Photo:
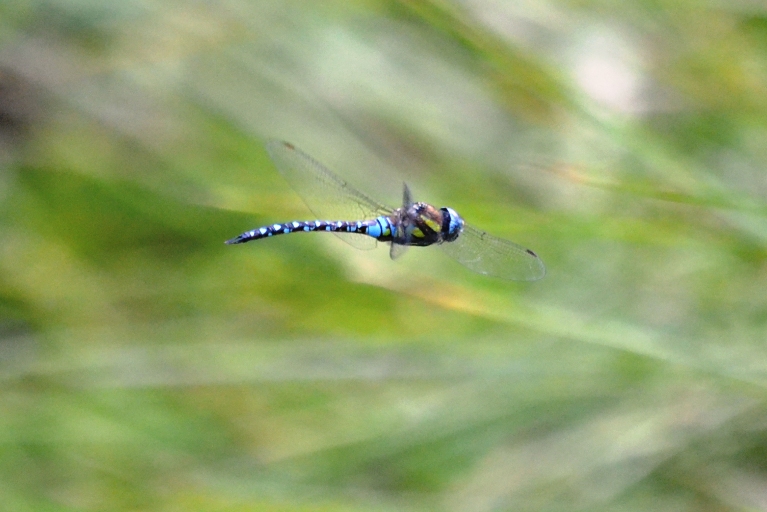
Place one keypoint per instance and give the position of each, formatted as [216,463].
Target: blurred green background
[145,365]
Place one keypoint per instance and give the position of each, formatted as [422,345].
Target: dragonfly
[363,222]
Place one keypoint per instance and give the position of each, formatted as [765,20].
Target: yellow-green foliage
[144,365]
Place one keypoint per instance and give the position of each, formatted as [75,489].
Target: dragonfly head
[452,224]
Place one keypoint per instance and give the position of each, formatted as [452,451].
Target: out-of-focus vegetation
[146,366]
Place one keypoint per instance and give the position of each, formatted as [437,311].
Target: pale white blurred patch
[605,63]
[607,67]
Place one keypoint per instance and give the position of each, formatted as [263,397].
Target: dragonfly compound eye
[452,224]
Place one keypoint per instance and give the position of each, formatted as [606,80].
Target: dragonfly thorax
[422,224]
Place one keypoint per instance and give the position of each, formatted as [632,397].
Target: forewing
[327,196]
[494,256]
[401,233]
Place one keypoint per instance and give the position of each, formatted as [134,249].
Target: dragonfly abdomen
[379,228]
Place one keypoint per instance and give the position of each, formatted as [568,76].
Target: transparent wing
[493,256]
[397,250]
[327,196]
